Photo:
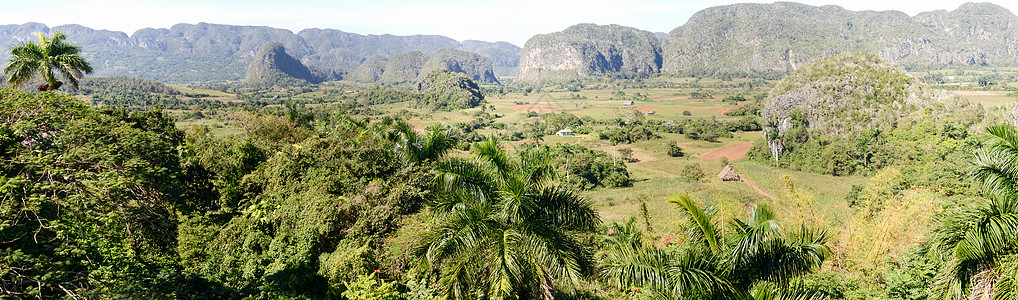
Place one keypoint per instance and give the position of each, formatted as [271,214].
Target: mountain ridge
[201,52]
[755,38]
[762,37]
[743,39]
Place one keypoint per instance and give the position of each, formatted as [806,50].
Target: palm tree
[762,261]
[977,243]
[46,59]
[694,273]
[504,230]
[412,147]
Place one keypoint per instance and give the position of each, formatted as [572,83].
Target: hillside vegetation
[272,65]
[590,50]
[188,53]
[753,38]
[767,39]
[411,67]
[739,39]
[854,113]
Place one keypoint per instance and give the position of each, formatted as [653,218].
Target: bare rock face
[588,50]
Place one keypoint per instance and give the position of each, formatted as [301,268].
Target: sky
[511,21]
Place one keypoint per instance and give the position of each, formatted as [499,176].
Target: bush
[694,173]
[627,155]
[674,150]
[367,287]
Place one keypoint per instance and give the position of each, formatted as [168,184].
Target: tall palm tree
[762,260]
[977,242]
[504,230]
[50,57]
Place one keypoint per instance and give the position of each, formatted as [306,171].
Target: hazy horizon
[510,21]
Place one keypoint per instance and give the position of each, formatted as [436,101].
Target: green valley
[759,151]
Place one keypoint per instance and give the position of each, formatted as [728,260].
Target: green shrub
[674,150]
[694,173]
[367,287]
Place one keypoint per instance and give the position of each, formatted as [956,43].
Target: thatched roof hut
[729,174]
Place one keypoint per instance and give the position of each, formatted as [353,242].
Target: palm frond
[554,254]
[564,209]
[624,267]
[698,274]
[622,235]
[519,233]
[19,71]
[71,66]
[703,223]
[804,254]
[952,281]
[490,150]
[435,143]
[461,181]
[1005,137]
[1006,287]
[506,266]
[50,54]
[997,171]
[766,290]
[763,252]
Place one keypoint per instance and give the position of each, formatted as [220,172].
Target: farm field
[656,176]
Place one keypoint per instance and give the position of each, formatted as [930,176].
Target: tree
[976,243]
[89,199]
[503,230]
[674,150]
[46,59]
[761,261]
[416,148]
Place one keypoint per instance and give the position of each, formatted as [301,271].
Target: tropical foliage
[760,260]
[90,199]
[504,230]
[51,57]
[976,242]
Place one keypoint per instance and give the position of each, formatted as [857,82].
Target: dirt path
[518,142]
[733,152]
[642,155]
[730,108]
[756,188]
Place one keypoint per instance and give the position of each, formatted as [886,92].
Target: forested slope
[203,52]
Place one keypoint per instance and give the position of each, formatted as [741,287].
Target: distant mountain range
[204,52]
[731,39]
[761,38]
